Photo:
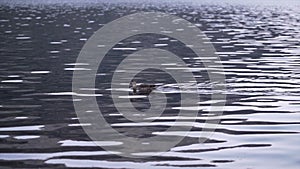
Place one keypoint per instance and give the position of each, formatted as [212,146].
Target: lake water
[259,48]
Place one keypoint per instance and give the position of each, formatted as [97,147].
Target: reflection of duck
[142,88]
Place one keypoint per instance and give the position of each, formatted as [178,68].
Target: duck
[143,89]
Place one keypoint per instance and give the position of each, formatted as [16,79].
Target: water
[259,48]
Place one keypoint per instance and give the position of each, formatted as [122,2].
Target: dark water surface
[259,48]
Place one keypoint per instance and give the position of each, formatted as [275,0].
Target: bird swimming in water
[143,89]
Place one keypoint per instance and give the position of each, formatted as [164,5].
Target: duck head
[133,86]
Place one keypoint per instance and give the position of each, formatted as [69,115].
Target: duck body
[143,89]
